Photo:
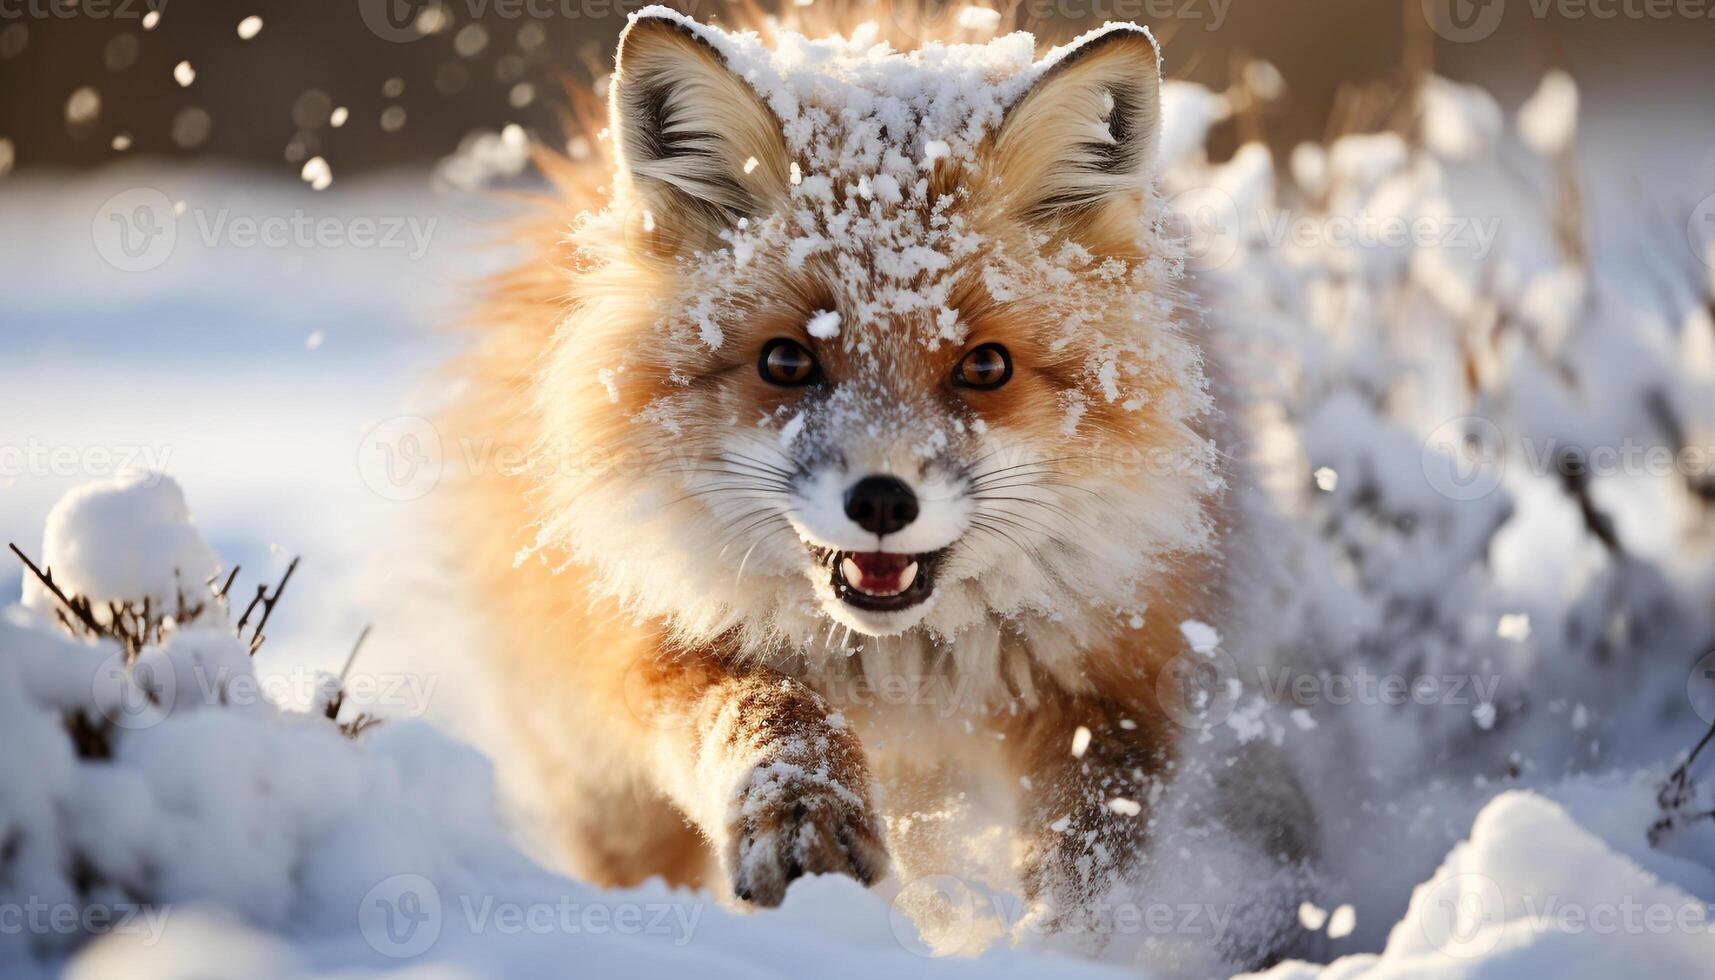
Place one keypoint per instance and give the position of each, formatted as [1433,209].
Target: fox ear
[1079,148]
[695,142]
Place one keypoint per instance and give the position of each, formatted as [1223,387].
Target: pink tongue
[881,571]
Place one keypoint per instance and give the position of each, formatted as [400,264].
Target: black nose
[881,504]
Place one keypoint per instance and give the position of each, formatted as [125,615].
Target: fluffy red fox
[869,461]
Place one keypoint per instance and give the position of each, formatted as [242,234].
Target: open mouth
[882,581]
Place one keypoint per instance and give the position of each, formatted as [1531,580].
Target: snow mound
[162,818]
[128,538]
[1432,414]
[1535,892]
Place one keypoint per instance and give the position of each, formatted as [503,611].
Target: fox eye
[984,368]
[786,363]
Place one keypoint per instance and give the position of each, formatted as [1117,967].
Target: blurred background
[84,83]
[163,164]
[234,233]
[233,237]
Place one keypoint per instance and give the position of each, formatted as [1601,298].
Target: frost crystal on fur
[903,223]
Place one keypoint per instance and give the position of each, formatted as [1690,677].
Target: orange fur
[647,732]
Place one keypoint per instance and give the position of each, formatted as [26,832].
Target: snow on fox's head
[872,344]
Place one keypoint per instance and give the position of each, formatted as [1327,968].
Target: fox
[870,460]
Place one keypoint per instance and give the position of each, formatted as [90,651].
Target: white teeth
[854,578]
[908,576]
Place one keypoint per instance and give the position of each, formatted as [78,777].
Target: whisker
[759,463]
[980,523]
[746,473]
[1048,505]
[734,537]
[1043,463]
[738,492]
[1056,484]
[746,559]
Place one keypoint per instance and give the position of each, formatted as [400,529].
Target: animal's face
[881,466]
[896,339]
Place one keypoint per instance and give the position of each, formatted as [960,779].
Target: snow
[482,158]
[317,173]
[1202,637]
[824,325]
[1080,742]
[979,18]
[221,823]
[1341,923]
[1487,834]
[1538,889]
[1514,626]
[130,537]
[1460,122]
[1392,479]
[1311,917]
[1548,120]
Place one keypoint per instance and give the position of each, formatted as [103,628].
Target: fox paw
[789,822]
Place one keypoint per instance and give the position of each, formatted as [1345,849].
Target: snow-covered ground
[1484,690]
